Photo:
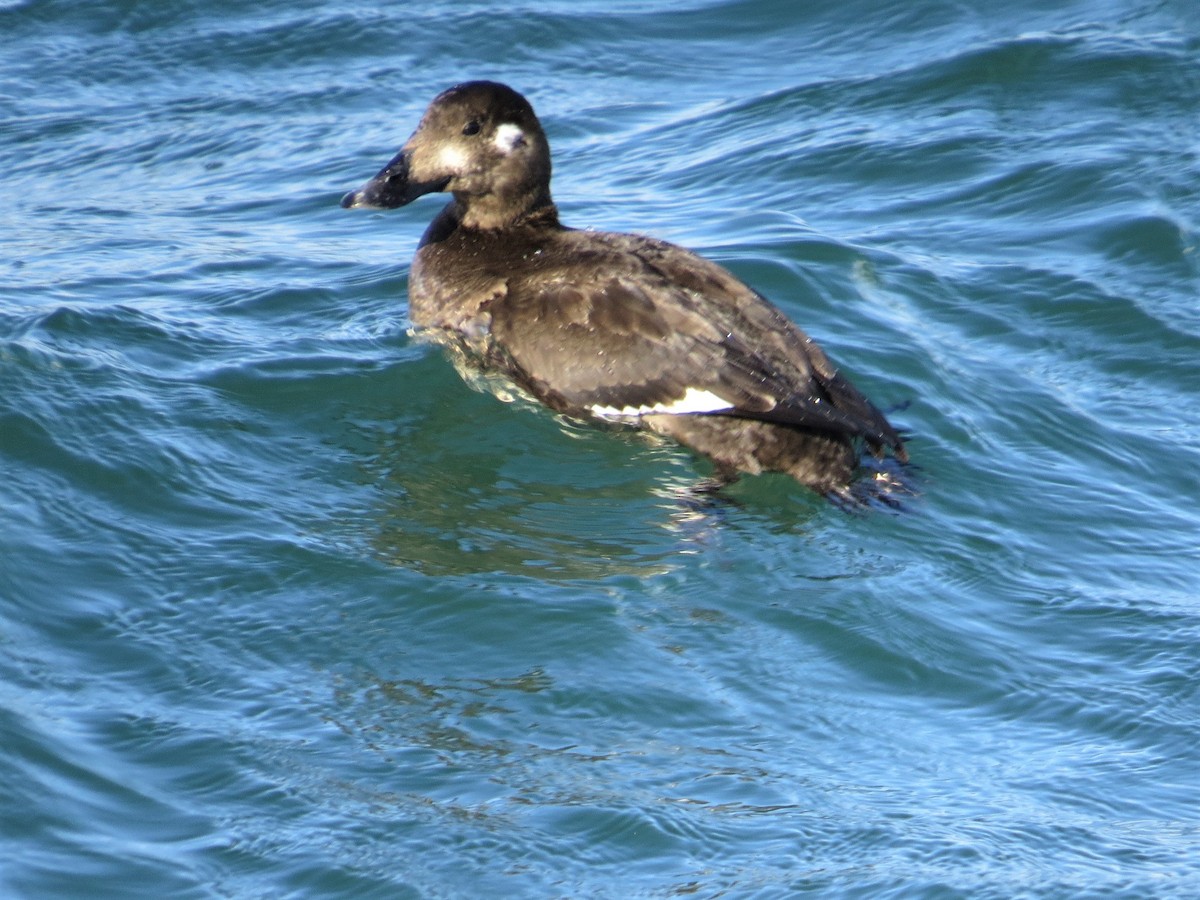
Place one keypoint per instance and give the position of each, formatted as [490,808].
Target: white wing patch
[692,401]
[508,137]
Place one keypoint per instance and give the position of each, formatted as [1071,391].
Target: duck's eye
[472,127]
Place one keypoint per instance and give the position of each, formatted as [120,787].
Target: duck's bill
[391,188]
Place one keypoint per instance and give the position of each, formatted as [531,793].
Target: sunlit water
[286,609]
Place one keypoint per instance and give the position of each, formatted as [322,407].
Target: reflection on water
[488,480]
[486,505]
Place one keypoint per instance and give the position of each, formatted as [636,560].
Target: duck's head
[479,140]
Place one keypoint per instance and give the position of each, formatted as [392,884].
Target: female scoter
[614,327]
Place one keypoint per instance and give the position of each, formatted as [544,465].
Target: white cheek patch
[508,138]
[693,401]
[452,158]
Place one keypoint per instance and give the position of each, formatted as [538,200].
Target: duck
[610,327]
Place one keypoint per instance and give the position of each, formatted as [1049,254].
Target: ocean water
[288,610]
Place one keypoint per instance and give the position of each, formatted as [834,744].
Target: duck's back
[624,327]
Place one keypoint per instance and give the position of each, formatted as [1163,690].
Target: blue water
[288,610]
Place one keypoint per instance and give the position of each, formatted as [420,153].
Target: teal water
[287,610]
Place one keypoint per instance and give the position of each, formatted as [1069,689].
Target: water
[287,610]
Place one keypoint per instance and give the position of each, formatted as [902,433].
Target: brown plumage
[615,327]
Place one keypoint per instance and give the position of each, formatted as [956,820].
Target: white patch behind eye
[452,158]
[692,401]
[508,137]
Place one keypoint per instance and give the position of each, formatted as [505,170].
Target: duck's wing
[625,340]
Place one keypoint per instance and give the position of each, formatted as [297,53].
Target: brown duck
[612,327]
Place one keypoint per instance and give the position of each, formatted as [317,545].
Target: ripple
[286,608]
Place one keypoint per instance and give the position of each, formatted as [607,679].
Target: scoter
[605,326]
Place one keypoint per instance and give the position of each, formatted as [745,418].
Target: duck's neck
[494,212]
[451,219]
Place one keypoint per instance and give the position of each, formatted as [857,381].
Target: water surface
[286,609]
